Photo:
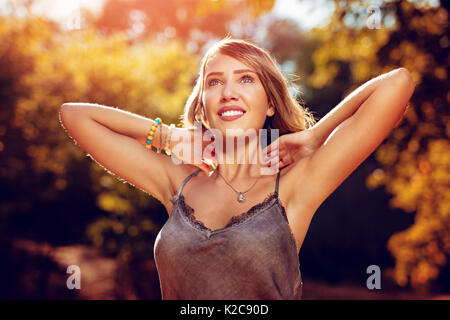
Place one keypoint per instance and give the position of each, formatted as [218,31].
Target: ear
[271,111]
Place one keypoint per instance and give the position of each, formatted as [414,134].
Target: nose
[228,92]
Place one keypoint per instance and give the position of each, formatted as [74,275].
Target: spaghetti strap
[186,180]
[277,183]
[184,246]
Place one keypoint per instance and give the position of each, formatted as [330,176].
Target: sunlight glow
[59,10]
[307,14]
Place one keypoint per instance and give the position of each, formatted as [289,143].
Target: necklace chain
[238,192]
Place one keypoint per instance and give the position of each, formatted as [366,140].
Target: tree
[414,159]
[188,20]
[41,69]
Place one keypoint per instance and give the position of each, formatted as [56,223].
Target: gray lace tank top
[254,257]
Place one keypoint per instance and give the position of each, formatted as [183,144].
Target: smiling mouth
[231,115]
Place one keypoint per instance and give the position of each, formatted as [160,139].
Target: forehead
[222,63]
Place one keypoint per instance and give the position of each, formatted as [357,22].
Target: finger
[273,163]
[273,146]
[270,154]
[285,162]
[270,157]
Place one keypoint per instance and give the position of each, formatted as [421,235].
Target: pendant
[241,197]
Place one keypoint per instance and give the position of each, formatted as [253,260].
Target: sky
[306,13]
[58,10]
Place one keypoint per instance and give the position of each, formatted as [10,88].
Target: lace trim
[283,210]
[235,220]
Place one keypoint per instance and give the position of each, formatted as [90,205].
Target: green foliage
[43,67]
[414,159]
[46,68]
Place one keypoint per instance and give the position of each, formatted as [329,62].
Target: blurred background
[59,208]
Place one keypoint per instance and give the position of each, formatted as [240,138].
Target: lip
[229,108]
[231,118]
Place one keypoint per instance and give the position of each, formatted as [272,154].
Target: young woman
[235,232]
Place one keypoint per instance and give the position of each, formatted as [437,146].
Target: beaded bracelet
[160,139]
[166,142]
[152,131]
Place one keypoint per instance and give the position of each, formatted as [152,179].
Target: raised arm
[115,139]
[350,104]
[349,133]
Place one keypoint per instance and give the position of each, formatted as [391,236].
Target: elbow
[406,78]
[63,111]
[63,114]
[67,105]
[66,110]
[404,82]
[64,107]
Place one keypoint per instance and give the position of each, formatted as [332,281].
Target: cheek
[256,94]
[208,103]
[258,101]
[209,97]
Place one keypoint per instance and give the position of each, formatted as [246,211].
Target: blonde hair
[290,115]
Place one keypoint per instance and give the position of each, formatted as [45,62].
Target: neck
[242,161]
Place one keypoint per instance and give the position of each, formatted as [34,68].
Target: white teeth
[231,113]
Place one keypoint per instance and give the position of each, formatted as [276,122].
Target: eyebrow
[235,71]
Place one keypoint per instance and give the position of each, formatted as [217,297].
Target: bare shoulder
[177,173]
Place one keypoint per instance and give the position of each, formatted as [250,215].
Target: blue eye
[211,81]
[243,77]
[247,77]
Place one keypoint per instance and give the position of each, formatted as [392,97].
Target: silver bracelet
[166,143]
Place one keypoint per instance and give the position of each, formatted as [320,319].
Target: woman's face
[233,96]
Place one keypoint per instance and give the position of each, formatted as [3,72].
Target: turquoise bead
[149,141]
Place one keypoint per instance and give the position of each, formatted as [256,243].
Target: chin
[234,129]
